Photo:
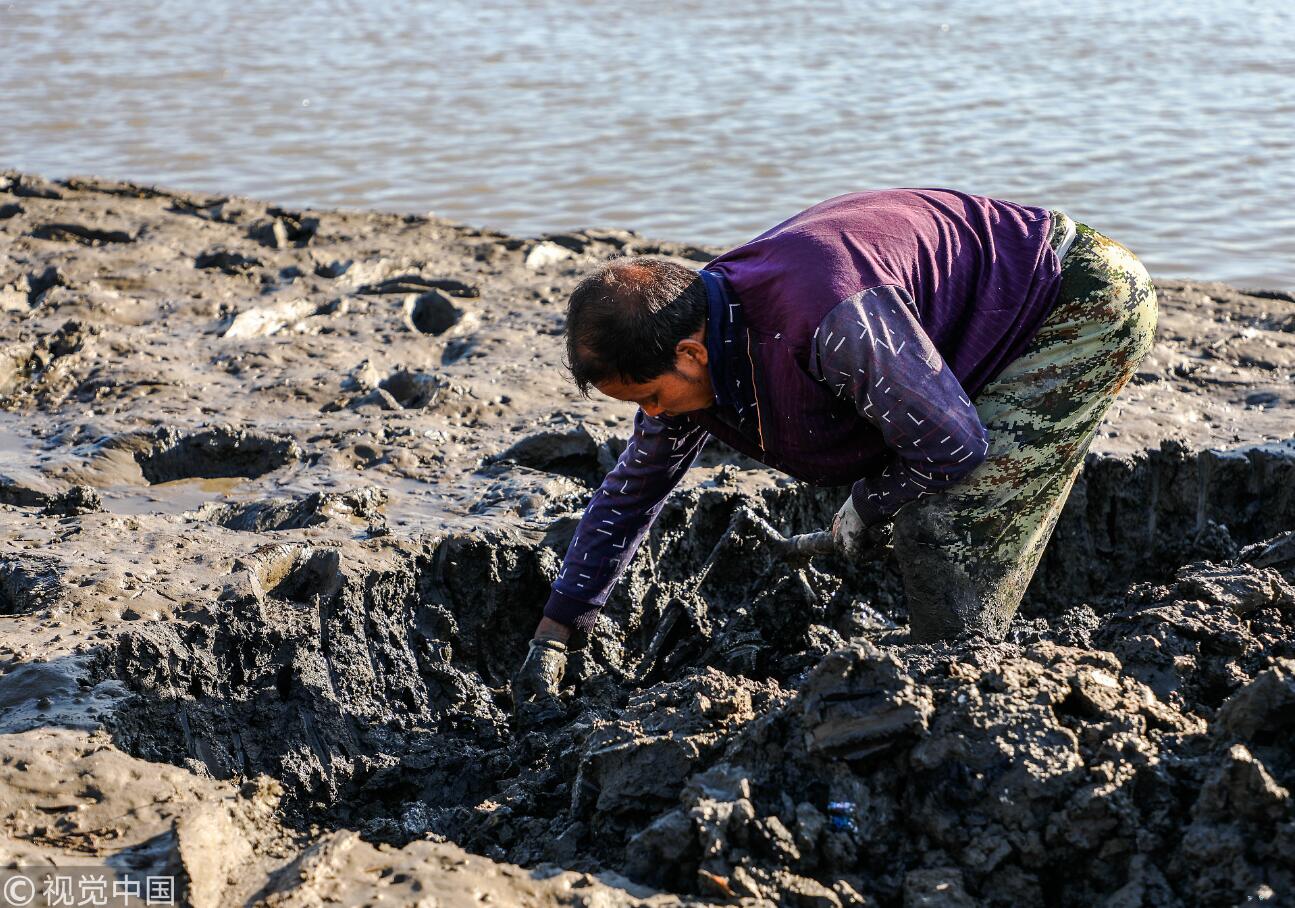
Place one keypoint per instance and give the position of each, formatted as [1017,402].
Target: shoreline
[281,493]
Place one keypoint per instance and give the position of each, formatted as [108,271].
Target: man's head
[636,331]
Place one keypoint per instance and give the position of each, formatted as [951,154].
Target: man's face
[683,390]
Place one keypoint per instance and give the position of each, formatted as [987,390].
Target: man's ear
[694,350]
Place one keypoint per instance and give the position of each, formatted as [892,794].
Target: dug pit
[738,727]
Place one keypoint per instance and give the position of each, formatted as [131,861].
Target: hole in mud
[220,452]
[77,233]
[226,260]
[459,349]
[580,453]
[356,505]
[1277,730]
[37,284]
[283,681]
[1073,706]
[24,367]
[412,390]
[1142,518]
[284,229]
[433,313]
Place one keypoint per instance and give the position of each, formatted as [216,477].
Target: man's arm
[618,517]
[872,351]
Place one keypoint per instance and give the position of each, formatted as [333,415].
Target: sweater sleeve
[619,515]
[872,350]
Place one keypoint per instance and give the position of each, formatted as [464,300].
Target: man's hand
[541,673]
[540,677]
[855,541]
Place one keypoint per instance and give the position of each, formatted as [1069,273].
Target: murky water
[1167,123]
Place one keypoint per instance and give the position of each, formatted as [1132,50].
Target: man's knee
[1137,334]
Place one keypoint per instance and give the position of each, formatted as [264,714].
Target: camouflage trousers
[968,553]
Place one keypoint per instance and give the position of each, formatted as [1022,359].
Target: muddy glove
[857,542]
[541,672]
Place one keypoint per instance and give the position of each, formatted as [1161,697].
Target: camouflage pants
[968,553]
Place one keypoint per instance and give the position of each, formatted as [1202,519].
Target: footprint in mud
[85,236]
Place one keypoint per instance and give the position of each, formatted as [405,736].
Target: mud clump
[296,513]
[29,583]
[43,368]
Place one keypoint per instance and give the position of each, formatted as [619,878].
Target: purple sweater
[846,345]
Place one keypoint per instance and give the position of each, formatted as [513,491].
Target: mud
[282,497]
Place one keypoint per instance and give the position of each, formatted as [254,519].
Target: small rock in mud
[73,502]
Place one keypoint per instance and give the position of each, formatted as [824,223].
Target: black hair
[624,320]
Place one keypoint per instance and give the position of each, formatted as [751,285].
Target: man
[947,356]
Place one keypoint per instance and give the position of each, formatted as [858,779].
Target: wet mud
[765,732]
[279,556]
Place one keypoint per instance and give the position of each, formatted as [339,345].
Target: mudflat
[281,495]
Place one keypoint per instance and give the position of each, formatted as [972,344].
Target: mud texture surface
[281,497]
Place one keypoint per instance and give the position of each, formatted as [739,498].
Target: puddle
[178,496]
[18,449]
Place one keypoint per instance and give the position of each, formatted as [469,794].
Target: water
[1166,124]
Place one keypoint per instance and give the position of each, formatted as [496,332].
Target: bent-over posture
[947,356]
